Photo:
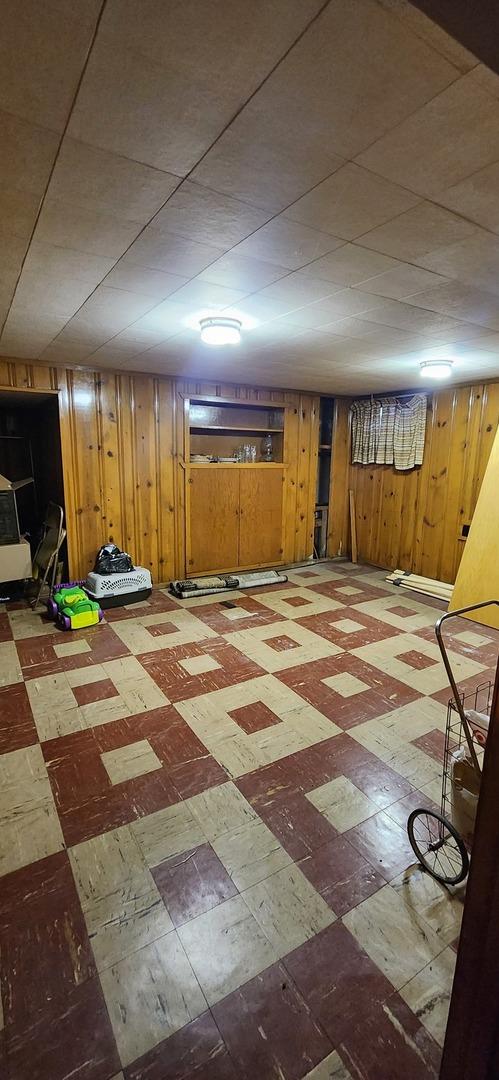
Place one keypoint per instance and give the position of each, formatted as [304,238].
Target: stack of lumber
[440,590]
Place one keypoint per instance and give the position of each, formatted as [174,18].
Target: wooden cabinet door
[260,521]
[212,520]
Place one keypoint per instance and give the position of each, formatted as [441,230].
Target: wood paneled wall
[118,449]
[414,520]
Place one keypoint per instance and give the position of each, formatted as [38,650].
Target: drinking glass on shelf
[253,453]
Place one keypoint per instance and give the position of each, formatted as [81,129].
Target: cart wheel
[438,846]
[63,621]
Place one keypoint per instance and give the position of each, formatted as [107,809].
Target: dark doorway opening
[30,446]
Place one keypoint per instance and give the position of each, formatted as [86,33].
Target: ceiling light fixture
[220,331]
[436,369]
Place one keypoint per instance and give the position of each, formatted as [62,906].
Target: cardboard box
[15,561]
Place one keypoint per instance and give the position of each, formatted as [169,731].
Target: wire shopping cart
[441,840]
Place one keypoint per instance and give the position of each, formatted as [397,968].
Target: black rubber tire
[465,861]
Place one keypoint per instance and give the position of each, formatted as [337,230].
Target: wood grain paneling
[414,520]
[260,510]
[121,438]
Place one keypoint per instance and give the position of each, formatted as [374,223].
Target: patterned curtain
[366,416]
[388,431]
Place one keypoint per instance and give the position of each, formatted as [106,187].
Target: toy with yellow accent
[72,608]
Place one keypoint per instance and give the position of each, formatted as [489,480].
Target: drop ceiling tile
[240,272]
[258,308]
[287,243]
[62,298]
[108,311]
[343,303]
[199,294]
[462,302]
[350,265]
[42,52]
[166,318]
[160,90]
[264,162]
[12,251]
[299,288]
[175,254]
[97,180]
[28,153]
[407,317]
[66,352]
[474,260]
[350,202]
[139,279]
[356,73]
[67,226]
[401,282]
[476,197]
[430,32]
[448,139]
[208,217]
[419,231]
[59,264]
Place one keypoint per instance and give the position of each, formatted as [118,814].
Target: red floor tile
[270,1030]
[389,1044]
[197,1051]
[95,691]
[17,727]
[5,629]
[417,660]
[342,876]
[338,981]
[76,1043]
[193,883]
[42,930]
[254,717]
[333,589]
[37,656]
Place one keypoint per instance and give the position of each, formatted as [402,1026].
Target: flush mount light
[436,369]
[220,331]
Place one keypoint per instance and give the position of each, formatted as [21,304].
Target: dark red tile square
[160,629]
[402,612]
[281,643]
[77,1041]
[5,627]
[268,1029]
[298,826]
[390,1043]
[254,717]
[433,744]
[299,601]
[42,930]
[94,691]
[157,602]
[341,875]
[17,727]
[193,883]
[337,979]
[197,1051]
[417,660]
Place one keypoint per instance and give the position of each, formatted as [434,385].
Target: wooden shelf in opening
[233,464]
[200,429]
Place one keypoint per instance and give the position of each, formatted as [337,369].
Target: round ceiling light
[436,369]
[220,331]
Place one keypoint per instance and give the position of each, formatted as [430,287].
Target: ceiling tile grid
[326,172]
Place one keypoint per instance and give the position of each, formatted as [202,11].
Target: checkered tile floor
[204,865]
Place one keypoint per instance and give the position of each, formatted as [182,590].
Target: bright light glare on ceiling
[220,331]
[436,369]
